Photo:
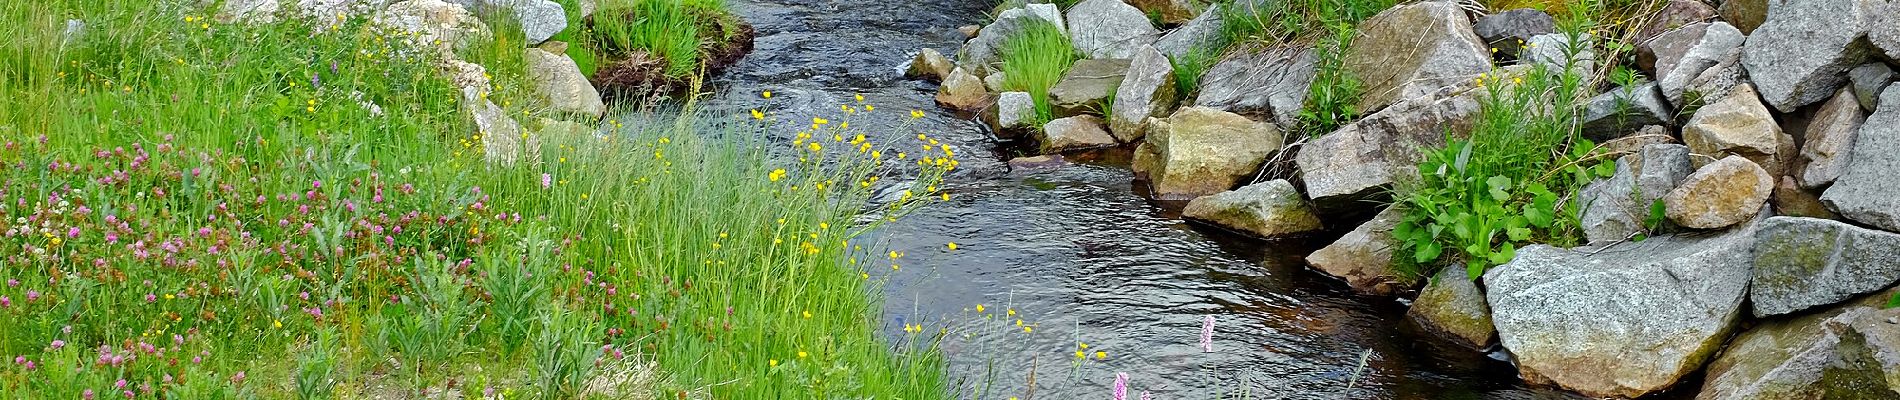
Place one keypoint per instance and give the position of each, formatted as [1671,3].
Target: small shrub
[517,282]
[1034,60]
[564,353]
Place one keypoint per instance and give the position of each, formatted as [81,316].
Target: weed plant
[186,203]
[1034,60]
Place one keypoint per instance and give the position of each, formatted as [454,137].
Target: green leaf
[1464,155]
[1428,252]
[1893,302]
[1404,230]
[1500,187]
[1606,170]
[1542,211]
[1518,234]
[1474,269]
[1504,255]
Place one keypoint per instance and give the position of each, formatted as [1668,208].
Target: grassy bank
[197,209]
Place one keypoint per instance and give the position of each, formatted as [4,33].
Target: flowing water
[1077,253]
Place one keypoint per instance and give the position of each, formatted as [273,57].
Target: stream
[1077,253]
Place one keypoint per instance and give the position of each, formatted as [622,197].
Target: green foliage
[663,29]
[1331,26]
[1034,60]
[564,353]
[1190,66]
[316,366]
[1333,99]
[1510,183]
[518,281]
[576,35]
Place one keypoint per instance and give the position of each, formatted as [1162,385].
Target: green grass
[1034,60]
[224,194]
[663,29]
[1329,26]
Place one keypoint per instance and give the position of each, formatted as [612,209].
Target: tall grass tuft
[663,29]
[1034,60]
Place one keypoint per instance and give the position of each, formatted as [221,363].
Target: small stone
[1676,58]
[969,31]
[1013,114]
[1079,132]
[1745,14]
[995,82]
[1740,125]
[930,65]
[1721,194]
[962,91]
[1453,307]
[1556,50]
[1269,210]
[1171,12]
[1201,151]
[1087,86]
[1620,206]
[1801,263]
[1110,29]
[1830,137]
[1147,90]
[1791,200]
[1868,81]
[1623,110]
[1508,31]
[1363,258]
[1038,162]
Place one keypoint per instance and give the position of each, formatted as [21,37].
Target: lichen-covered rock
[1802,263]
[1508,31]
[1269,210]
[1826,154]
[1622,321]
[995,82]
[1715,83]
[1801,54]
[1171,12]
[930,65]
[1721,194]
[1147,90]
[1868,81]
[1623,110]
[557,79]
[981,54]
[1740,125]
[540,19]
[1196,35]
[1202,151]
[1453,307]
[1413,50]
[1677,57]
[433,24]
[1746,15]
[1798,358]
[1866,192]
[1261,81]
[1110,29]
[1364,257]
[1618,207]
[1087,86]
[962,91]
[1075,133]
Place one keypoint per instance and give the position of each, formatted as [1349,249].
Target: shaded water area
[1078,253]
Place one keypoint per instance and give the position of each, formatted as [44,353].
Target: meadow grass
[667,30]
[196,209]
[1034,60]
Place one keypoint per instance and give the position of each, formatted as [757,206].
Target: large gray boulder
[1801,55]
[540,19]
[1269,210]
[1109,29]
[1087,86]
[1740,125]
[1197,35]
[1453,307]
[1560,50]
[1805,357]
[1146,91]
[1362,159]
[433,24]
[1677,57]
[1884,33]
[982,53]
[1621,111]
[1363,258]
[1623,321]
[1866,193]
[1802,263]
[1508,31]
[1869,80]
[1413,50]
[1618,207]
[1830,137]
[560,81]
[1271,82]
[1074,133]
[1721,194]
[1200,151]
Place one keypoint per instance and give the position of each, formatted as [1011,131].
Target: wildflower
[547,181]
[860,98]
[807,314]
[277,324]
[1012,313]
[1101,355]
[1207,335]
[1121,386]
[1081,354]
[915,114]
[979,308]
[773,362]
[952,245]
[819,121]
[757,115]
[801,354]
[766,94]
[5,302]
[1027,329]
[86,395]
[237,378]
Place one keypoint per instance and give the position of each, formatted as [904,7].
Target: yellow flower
[952,245]
[914,114]
[277,324]
[766,94]
[815,147]
[801,354]
[1079,354]
[776,175]
[1100,355]
[774,361]
[1027,329]
[868,107]
[979,308]
[1084,346]
[56,241]
[819,121]
[946,197]
[807,314]
[860,98]
[757,115]
[1012,312]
